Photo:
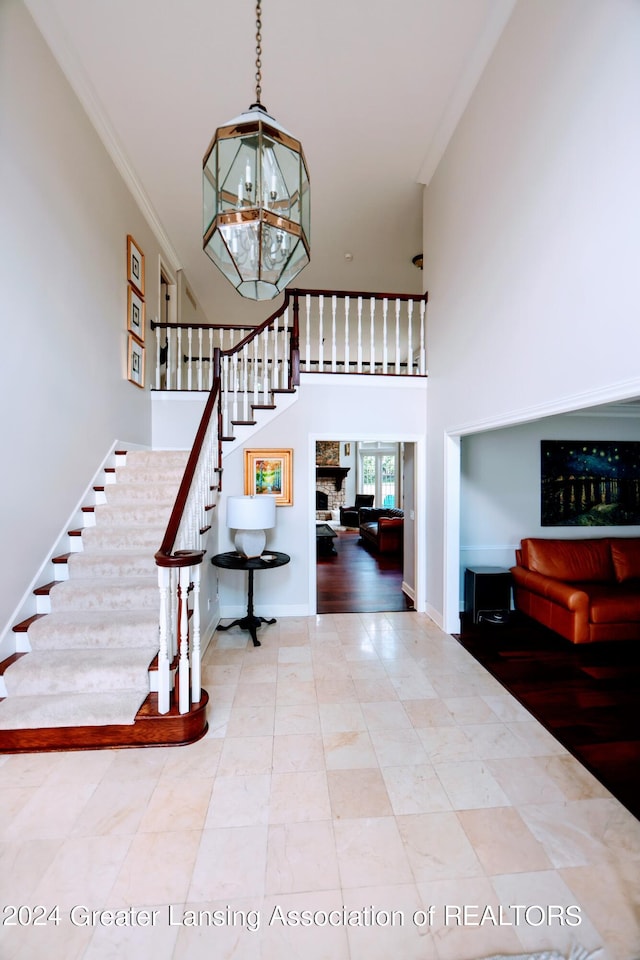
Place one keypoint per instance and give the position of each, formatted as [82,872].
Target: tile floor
[362,768]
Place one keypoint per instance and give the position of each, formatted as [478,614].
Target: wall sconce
[250,517]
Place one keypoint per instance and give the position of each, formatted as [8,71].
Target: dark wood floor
[355,580]
[586,695]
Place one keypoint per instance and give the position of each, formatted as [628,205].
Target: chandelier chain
[258,50]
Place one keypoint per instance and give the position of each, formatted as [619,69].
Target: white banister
[346,335]
[385,346]
[321,334]
[359,335]
[307,353]
[334,345]
[397,345]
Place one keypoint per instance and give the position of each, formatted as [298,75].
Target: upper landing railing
[334,332]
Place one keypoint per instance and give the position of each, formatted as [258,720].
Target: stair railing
[339,332]
[180,556]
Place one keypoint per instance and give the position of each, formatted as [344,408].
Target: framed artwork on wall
[590,483]
[135,361]
[135,265]
[269,472]
[135,313]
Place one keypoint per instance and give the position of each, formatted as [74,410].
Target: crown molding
[54,35]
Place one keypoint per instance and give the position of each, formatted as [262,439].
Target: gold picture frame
[135,362]
[135,265]
[269,472]
[135,313]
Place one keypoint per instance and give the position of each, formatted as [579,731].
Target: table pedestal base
[250,623]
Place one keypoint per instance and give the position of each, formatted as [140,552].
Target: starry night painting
[590,483]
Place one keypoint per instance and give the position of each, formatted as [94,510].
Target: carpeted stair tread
[109,593]
[133,514]
[114,563]
[92,629]
[136,493]
[72,710]
[126,537]
[46,672]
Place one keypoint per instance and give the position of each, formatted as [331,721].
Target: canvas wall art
[590,483]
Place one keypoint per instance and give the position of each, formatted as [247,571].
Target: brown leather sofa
[585,590]
[382,528]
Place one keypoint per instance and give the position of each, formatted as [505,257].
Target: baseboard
[435,615]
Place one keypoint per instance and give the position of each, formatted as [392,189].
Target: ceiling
[372,89]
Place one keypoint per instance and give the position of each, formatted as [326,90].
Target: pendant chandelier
[256,199]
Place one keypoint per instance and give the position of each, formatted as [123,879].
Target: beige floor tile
[370,691]
[358,793]
[301,857]
[283,935]
[398,747]
[371,852]
[83,871]
[144,941]
[437,847]
[22,865]
[429,713]
[575,782]
[334,689]
[115,809]
[294,654]
[299,796]
[296,691]
[490,741]
[255,695]
[580,832]
[293,753]
[65,941]
[303,672]
[230,863]
[195,760]
[468,710]
[44,813]
[237,933]
[245,755]
[413,688]
[502,842]
[385,715]
[470,785]
[536,741]
[404,667]
[367,669]
[610,897]
[348,751]
[447,744]
[394,925]
[415,789]
[239,801]
[297,718]
[525,780]
[258,672]
[250,721]
[341,718]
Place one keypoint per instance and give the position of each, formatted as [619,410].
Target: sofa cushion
[618,605]
[570,560]
[625,552]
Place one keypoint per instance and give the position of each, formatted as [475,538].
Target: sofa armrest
[565,594]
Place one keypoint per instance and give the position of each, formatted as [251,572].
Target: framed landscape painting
[590,483]
[269,472]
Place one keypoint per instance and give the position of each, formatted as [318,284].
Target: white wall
[328,408]
[65,217]
[500,484]
[531,233]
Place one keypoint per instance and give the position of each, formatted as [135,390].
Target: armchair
[350,516]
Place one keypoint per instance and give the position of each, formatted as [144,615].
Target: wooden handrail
[165,557]
[354,294]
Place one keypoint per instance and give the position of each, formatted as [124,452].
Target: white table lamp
[250,517]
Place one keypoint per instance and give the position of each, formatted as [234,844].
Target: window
[379,473]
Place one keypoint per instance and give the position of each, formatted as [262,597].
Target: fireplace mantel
[337,474]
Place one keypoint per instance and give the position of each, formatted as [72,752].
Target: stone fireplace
[329,479]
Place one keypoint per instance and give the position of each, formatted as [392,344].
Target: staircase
[87,681]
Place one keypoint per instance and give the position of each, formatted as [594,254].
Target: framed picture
[135,265]
[135,362]
[269,472]
[135,313]
[590,483]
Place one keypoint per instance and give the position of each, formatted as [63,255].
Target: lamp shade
[250,517]
[251,513]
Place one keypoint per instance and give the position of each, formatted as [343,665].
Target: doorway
[352,574]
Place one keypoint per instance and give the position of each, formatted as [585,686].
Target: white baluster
[265,365]
[372,335]
[307,353]
[179,358]
[183,640]
[163,652]
[334,346]
[200,358]
[169,377]
[410,337]
[234,387]
[359,368]
[196,689]
[321,333]
[189,358]
[256,368]
[226,431]
[275,372]
[346,335]
[210,358]
[284,382]
[423,356]
[397,358]
[157,333]
[385,346]
[245,382]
